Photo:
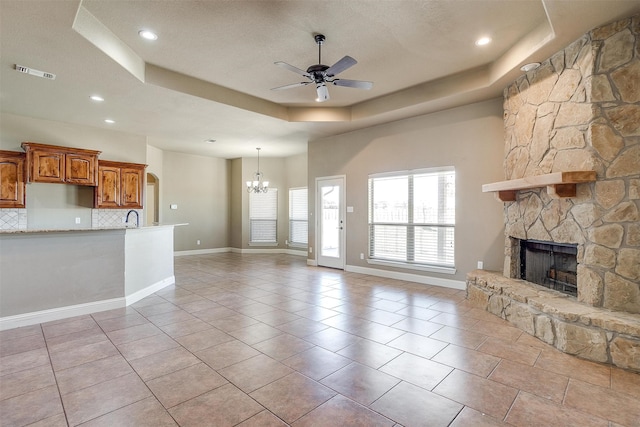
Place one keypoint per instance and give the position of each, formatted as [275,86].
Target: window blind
[412,217]
[298,217]
[263,216]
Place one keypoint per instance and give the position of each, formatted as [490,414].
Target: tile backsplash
[13,219]
[113,217]
[16,219]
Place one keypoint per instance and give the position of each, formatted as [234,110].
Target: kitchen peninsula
[52,265]
[47,275]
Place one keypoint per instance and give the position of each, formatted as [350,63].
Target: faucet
[137,217]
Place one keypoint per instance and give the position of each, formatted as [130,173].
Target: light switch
[350,209]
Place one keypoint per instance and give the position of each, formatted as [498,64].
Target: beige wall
[200,187]
[237,194]
[470,138]
[282,173]
[296,170]
[155,167]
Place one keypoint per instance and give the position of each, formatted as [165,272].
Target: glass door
[330,215]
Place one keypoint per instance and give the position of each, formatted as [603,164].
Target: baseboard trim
[265,250]
[35,317]
[268,251]
[425,280]
[142,293]
[203,251]
[312,263]
[58,313]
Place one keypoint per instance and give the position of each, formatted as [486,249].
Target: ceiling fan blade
[292,68]
[291,86]
[323,93]
[358,84]
[341,65]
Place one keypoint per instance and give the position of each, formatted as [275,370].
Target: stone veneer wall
[580,110]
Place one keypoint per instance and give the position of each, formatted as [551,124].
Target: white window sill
[429,268]
[263,243]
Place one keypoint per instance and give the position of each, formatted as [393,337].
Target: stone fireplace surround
[579,111]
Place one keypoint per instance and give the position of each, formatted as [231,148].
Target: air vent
[37,73]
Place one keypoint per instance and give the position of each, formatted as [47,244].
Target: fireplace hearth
[550,264]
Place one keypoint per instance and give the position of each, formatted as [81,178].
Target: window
[298,218]
[263,217]
[412,217]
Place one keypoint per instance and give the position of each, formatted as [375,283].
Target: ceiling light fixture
[257,185]
[96,98]
[148,35]
[109,121]
[483,41]
[530,66]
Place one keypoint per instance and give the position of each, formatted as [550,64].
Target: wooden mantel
[559,184]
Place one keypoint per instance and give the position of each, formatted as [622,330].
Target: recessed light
[96,98]
[482,41]
[149,35]
[109,121]
[209,141]
[530,66]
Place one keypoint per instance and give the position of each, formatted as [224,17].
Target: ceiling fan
[322,75]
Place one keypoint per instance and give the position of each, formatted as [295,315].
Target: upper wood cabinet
[51,163]
[119,185]
[12,182]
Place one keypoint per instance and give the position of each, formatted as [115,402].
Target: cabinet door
[47,166]
[131,188]
[80,169]
[108,191]
[12,182]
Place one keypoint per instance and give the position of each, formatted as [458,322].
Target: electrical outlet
[480,265]
[361,256]
[77,220]
[310,250]
[197,242]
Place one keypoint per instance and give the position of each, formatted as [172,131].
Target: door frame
[341,261]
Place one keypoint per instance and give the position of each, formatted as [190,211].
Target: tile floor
[264,340]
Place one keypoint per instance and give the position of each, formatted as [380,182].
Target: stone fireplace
[579,111]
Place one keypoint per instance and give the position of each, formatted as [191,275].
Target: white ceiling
[209,74]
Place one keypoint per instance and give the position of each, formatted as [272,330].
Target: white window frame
[443,227]
[298,216]
[263,213]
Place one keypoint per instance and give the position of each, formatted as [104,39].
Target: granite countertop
[62,230]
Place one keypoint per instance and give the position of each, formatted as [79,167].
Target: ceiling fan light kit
[321,75]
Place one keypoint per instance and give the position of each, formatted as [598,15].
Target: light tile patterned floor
[265,340]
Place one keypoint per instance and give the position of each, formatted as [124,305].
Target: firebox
[550,264]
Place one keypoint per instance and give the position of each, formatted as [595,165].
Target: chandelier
[257,185]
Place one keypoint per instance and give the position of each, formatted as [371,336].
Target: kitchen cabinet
[65,165]
[119,185]
[12,179]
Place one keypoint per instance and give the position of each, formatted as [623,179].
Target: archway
[152,199]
